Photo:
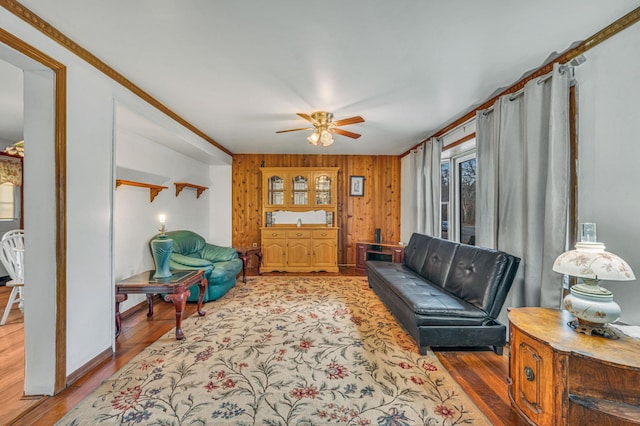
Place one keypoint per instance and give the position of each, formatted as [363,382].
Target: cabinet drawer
[299,233]
[322,233]
[273,234]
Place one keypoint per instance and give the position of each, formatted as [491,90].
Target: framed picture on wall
[356,186]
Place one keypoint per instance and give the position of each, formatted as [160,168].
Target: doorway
[45,213]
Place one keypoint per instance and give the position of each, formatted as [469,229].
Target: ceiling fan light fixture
[326,138]
[324,127]
[313,138]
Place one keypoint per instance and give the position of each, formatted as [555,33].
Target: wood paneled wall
[358,217]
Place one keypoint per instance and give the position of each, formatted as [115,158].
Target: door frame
[60,119]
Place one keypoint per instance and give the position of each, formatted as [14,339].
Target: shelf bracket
[154,190]
[181,185]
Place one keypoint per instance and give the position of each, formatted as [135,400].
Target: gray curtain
[523,184]
[425,172]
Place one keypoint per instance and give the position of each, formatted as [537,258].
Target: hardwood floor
[482,374]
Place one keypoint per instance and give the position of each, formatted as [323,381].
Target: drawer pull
[274,234]
[528,374]
[324,234]
[299,234]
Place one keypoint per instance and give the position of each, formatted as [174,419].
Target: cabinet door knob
[528,374]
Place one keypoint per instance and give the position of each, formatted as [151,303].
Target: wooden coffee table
[176,289]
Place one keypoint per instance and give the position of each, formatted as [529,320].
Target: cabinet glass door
[275,188]
[300,191]
[323,190]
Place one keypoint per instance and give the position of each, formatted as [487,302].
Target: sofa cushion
[186,242]
[416,251]
[438,261]
[430,257]
[421,296]
[216,253]
[476,274]
[189,260]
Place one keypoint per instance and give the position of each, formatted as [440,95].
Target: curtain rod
[602,35]
[563,68]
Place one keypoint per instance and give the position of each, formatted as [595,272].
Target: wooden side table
[176,289]
[244,253]
[560,377]
[372,250]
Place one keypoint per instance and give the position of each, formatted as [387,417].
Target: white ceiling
[240,70]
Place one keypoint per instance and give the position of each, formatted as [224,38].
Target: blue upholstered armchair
[221,264]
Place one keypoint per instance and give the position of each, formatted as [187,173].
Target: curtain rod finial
[577,61]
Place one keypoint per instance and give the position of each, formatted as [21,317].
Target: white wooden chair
[12,258]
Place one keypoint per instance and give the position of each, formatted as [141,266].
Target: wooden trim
[573,165]
[61,229]
[6,154]
[599,37]
[573,172]
[60,73]
[53,33]
[460,141]
[105,355]
[154,190]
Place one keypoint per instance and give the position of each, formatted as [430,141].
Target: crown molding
[53,33]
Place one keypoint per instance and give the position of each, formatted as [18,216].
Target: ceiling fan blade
[307,117]
[294,130]
[345,133]
[350,120]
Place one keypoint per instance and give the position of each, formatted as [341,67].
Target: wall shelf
[153,189]
[181,185]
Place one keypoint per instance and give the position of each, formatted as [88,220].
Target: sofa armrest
[215,253]
[192,262]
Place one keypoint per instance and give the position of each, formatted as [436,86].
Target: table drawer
[299,233]
[324,233]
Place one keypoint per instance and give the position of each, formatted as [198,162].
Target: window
[7,201]
[458,193]
[466,197]
[444,199]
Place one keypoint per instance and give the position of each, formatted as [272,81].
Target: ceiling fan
[324,127]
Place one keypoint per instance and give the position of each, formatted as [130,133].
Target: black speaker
[378,236]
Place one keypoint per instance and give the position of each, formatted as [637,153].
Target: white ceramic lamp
[592,305]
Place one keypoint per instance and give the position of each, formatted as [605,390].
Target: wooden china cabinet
[308,247]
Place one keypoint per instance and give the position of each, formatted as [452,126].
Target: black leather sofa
[446,294]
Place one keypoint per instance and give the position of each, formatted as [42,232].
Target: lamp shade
[590,260]
[326,138]
[313,138]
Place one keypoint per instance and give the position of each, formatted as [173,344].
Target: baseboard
[140,306]
[86,368]
[107,353]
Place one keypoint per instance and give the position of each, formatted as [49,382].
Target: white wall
[90,188]
[408,205]
[609,155]
[221,208]
[136,219]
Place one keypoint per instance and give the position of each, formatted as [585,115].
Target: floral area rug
[284,351]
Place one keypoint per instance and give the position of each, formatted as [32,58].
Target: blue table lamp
[161,249]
